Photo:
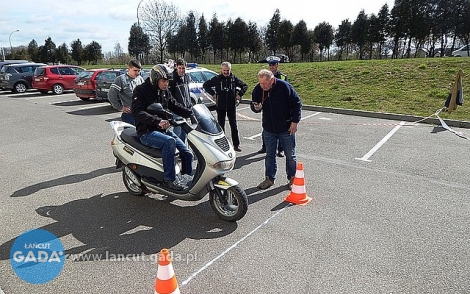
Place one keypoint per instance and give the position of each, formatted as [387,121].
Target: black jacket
[226,90]
[179,88]
[146,94]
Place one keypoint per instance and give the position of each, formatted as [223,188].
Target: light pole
[138,22]
[9,39]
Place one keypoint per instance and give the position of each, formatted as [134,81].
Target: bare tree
[160,19]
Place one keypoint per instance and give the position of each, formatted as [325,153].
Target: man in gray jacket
[120,91]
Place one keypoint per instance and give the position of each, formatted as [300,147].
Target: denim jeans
[128,118]
[179,130]
[287,142]
[167,142]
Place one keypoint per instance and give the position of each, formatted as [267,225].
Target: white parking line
[233,246]
[376,147]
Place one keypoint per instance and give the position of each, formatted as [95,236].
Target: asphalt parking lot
[389,210]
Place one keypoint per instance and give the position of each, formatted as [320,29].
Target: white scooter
[213,156]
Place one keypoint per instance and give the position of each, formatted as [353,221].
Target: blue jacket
[281,106]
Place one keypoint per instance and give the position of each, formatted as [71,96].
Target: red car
[85,83]
[55,78]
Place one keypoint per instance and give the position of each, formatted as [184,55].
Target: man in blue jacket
[281,107]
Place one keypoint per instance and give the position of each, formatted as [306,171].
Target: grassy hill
[416,86]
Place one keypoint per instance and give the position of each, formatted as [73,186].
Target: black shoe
[262,150]
[171,185]
[237,149]
[280,154]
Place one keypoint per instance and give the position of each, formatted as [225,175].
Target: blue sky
[108,21]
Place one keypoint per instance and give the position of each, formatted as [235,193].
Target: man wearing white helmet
[153,131]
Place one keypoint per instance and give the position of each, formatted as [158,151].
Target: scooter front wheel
[129,179]
[229,204]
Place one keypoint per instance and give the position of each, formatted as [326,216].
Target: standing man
[281,107]
[153,130]
[120,91]
[228,89]
[274,67]
[179,88]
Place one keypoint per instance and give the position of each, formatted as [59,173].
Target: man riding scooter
[153,130]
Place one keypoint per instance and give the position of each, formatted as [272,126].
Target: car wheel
[19,88]
[58,89]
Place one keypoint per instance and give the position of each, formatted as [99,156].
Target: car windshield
[205,120]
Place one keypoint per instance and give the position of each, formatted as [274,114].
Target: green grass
[402,86]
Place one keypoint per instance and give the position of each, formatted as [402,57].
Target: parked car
[198,76]
[55,78]
[104,80]
[6,62]
[18,77]
[461,52]
[282,58]
[13,61]
[86,83]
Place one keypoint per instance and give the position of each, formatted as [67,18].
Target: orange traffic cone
[298,195]
[166,280]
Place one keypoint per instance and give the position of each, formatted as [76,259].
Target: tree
[191,36]
[93,52]
[216,33]
[272,40]
[33,51]
[47,52]
[463,31]
[300,36]
[159,19]
[343,38]
[253,41]
[62,54]
[119,53]
[139,42]
[237,36]
[285,36]
[203,37]
[323,36]
[78,53]
[359,32]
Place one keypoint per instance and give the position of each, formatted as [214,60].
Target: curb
[384,115]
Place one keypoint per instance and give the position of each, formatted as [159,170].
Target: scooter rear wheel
[127,176]
[231,205]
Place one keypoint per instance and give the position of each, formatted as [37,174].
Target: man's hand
[257,106]
[293,128]
[164,124]
[126,109]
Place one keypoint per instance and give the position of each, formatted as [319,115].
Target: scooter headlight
[226,165]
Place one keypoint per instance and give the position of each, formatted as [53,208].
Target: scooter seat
[129,136]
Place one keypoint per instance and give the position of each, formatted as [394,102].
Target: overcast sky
[108,21]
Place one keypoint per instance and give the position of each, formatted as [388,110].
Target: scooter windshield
[205,120]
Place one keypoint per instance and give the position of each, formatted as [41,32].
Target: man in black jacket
[179,88]
[153,130]
[228,89]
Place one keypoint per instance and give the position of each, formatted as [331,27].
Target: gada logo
[37,256]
